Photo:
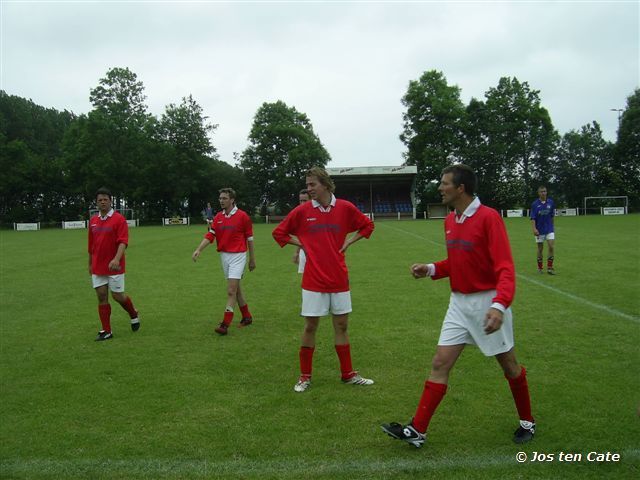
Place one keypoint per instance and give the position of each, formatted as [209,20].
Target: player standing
[482,277]
[542,212]
[233,231]
[320,228]
[108,239]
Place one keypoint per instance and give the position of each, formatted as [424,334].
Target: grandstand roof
[365,175]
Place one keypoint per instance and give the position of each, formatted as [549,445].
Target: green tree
[120,97]
[520,139]
[186,130]
[282,146]
[432,129]
[626,157]
[31,184]
[583,165]
[113,145]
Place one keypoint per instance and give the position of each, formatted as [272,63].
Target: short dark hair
[103,191]
[462,175]
[229,191]
[304,191]
[323,177]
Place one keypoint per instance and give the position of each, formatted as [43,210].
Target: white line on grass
[576,298]
[282,468]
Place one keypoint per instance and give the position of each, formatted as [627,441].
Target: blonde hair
[323,177]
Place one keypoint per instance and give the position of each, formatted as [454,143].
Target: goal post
[604,204]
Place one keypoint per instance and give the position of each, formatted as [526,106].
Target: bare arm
[114,264]
[350,241]
[252,255]
[203,244]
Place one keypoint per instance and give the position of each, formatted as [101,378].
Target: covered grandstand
[381,191]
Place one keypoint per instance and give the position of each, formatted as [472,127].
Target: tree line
[52,162]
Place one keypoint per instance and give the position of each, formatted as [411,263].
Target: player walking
[233,230]
[320,228]
[108,239]
[542,212]
[482,277]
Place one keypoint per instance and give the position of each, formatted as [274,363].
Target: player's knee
[232,290]
[440,364]
[310,328]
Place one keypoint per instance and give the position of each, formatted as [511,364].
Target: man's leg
[247,318]
[434,390]
[550,252]
[233,284]
[125,302]
[436,385]
[540,253]
[104,311]
[307,347]
[516,375]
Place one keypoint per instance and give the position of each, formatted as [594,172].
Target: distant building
[383,191]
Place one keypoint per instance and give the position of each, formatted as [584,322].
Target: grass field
[176,401]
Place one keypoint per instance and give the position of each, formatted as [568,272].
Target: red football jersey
[104,237]
[478,256]
[322,234]
[231,231]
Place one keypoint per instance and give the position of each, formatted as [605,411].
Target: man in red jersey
[320,228]
[482,277]
[108,239]
[233,230]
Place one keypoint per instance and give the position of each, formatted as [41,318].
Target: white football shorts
[464,324]
[115,282]
[318,304]
[548,236]
[233,264]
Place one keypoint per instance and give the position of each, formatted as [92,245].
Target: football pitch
[176,401]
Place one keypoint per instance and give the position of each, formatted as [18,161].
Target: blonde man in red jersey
[482,277]
[320,228]
[233,231]
[108,239]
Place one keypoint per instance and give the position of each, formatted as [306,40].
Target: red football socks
[228,318]
[306,361]
[344,355]
[520,391]
[245,311]
[429,401]
[104,312]
[128,306]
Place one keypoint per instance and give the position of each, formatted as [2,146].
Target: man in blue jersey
[542,213]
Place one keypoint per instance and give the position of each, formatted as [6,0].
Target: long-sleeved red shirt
[478,255]
[105,234]
[232,231]
[322,234]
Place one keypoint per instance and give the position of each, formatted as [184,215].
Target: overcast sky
[345,64]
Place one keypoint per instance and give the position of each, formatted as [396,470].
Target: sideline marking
[576,298]
[283,468]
